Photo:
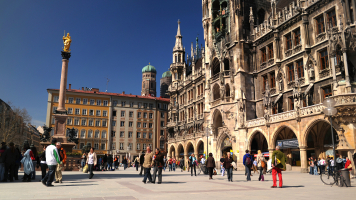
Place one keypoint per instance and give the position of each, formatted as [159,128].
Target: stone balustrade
[215,102]
[345,99]
[283,116]
[255,122]
[311,110]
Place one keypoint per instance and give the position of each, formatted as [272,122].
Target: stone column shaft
[334,74]
[347,76]
[303,160]
[63,86]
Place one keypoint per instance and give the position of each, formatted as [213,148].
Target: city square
[176,185]
[267,87]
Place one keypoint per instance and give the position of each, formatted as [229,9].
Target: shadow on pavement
[172,182]
[75,185]
[297,186]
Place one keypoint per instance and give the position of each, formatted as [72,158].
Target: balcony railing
[283,116]
[215,77]
[345,99]
[226,73]
[256,122]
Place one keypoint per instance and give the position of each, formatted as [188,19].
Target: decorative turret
[178,63]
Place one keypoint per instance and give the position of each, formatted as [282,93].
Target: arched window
[176,58]
[97,134]
[226,64]
[82,133]
[103,134]
[216,92]
[260,16]
[179,58]
[90,133]
[215,69]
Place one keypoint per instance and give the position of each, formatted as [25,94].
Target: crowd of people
[320,165]
[54,157]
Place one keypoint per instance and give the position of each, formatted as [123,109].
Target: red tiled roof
[117,94]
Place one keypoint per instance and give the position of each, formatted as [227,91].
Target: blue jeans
[83,164]
[316,171]
[311,172]
[125,166]
[2,171]
[147,175]
[174,167]
[170,167]
[109,166]
[50,175]
[248,172]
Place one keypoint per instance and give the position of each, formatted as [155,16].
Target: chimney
[123,92]
[70,87]
[83,88]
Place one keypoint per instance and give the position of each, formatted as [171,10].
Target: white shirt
[91,159]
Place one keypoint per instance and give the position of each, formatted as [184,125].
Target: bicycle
[200,168]
[331,178]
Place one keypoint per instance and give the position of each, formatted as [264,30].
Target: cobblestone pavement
[176,185]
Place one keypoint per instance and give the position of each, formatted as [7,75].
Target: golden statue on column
[66,41]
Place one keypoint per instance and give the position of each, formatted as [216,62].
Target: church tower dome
[148,80]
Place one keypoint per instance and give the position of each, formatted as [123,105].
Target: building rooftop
[115,94]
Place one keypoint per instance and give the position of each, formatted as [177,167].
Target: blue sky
[110,39]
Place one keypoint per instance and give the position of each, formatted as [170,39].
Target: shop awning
[278,97]
[265,154]
[308,88]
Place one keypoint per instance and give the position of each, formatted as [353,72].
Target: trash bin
[345,178]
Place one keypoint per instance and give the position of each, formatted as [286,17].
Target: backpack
[248,161]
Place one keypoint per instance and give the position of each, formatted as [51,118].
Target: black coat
[10,156]
[159,160]
[110,159]
[210,162]
[142,159]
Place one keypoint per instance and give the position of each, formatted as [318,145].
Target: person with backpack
[247,161]
[193,164]
[261,165]
[278,165]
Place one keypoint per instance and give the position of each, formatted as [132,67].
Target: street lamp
[329,111]
[207,135]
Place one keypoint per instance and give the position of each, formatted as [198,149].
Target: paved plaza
[176,185]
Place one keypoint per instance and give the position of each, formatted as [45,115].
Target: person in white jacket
[52,158]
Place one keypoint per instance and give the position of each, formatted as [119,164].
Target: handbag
[263,164]
[86,168]
[214,173]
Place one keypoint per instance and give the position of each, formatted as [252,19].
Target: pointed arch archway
[200,148]
[180,151]
[217,122]
[285,132]
[172,151]
[189,148]
[257,141]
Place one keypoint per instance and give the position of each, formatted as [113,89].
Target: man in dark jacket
[2,161]
[210,164]
[10,157]
[43,164]
[247,161]
[158,165]
[142,159]
[105,159]
[110,161]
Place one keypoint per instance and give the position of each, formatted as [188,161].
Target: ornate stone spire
[179,45]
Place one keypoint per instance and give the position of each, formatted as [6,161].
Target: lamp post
[329,111]
[207,136]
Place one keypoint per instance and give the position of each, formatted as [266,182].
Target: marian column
[61,112]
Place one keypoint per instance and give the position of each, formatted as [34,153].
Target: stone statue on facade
[169,112]
[221,77]
[222,92]
[233,93]
[280,83]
